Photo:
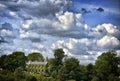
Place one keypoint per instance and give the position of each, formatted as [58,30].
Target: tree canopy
[13,61]
[35,57]
[106,66]
[13,68]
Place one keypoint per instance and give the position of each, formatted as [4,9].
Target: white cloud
[73,46]
[78,48]
[108,42]
[2,6]
[6,33]
[24,34]
[64,21]
[27,24]
[67,25]
[105,29]
[68,20]
[111,29]
[38,45]
[118,53]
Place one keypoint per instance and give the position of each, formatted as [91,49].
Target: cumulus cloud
[77,48]
[67,24]
[101,38]
[109,42]
[105,29]
[68,20]
[74,46]
[106,35]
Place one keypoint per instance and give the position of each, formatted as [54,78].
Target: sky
[83,28]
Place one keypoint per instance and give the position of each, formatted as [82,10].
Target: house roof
[36,63]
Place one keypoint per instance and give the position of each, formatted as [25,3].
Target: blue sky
[83,28]
[109,15]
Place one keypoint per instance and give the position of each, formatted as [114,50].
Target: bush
[31,78]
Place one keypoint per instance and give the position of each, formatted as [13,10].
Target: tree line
[60,68]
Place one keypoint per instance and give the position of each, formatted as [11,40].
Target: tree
[19,74]
[30,78]
[56,63]
[2,58]
[89,72]
[70,70]
[6,75]
[59,55]
[106,64]
[13,61]
[35,57]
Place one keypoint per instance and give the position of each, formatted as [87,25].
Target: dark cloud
[37,8]
[83,10]
[100,9]
[6,26]
[1,39]
[10,0]
[91,10]
[6,14]
[12,6]
[8,33]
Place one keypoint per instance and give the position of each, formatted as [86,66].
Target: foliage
[13,68]
[89,72]
[19,74]
[31,78]
[106,66]
[13,61]
[56,63]
[35,57]
[70,70]
[6,75]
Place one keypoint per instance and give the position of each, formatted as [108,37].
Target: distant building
[36,66]
[36,63]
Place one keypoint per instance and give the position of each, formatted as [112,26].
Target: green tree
[19,74]
[106,64]
[59,54]
[2,58]
[30,78]
[56,63]
[6,75]
[13,61]
[70,70]
[35,57]
[89,72]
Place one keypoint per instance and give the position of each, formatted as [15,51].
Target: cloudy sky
[83,28]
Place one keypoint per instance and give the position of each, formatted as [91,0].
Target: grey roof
[36,63]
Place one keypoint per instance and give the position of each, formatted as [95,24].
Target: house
[36,63]
[36,66]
